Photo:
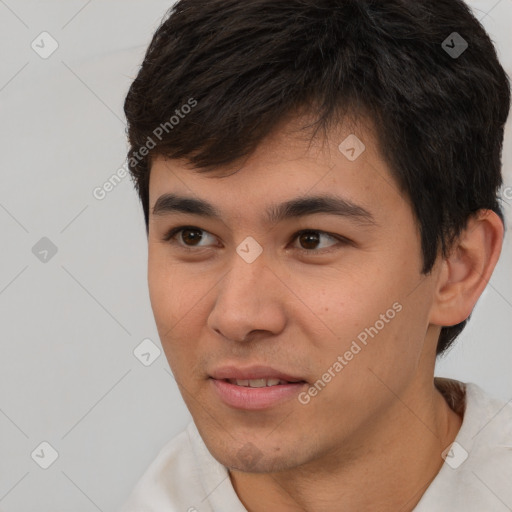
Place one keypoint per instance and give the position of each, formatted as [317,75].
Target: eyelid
[174,231]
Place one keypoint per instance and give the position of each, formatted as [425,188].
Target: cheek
[167,292]
[374,316]
[178,297]
[174,316]
[160,284]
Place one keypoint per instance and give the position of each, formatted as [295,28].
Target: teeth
[257,383]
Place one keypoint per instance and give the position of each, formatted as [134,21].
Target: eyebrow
[298,207]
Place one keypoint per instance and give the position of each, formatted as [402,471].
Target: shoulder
[488,438]
[184,477]
[476,473]
[170,482]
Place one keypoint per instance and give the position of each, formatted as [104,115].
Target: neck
[396,459]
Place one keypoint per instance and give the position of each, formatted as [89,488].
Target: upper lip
[252,372]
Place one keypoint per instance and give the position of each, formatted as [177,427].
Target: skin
[372,438]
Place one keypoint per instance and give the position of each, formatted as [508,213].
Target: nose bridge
[242,284]
[246,298]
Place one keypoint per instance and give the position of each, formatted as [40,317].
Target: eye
[189,233]
[194,235]
[312,237]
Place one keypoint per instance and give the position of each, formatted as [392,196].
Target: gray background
[70,323]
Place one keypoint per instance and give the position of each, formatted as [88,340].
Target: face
[334,299]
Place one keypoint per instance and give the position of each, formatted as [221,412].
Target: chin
[249,458]
[265,465]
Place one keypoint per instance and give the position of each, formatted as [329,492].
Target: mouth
[255,376]
[261,383]
[254,388]
[256,394]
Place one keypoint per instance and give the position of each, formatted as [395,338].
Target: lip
[252,372]
[248,398]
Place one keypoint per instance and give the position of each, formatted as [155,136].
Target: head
[250,104]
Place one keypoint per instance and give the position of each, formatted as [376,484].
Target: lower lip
[243,397]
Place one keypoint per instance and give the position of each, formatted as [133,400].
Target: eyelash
[170,237]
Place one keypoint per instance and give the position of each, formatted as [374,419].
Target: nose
[250,298]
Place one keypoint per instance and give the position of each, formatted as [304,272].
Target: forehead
[288,164]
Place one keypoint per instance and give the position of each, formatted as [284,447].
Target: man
[320,187]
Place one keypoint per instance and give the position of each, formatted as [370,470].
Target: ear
[465,273]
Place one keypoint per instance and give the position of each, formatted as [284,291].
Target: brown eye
[309,240]
[188,237]
[191,235]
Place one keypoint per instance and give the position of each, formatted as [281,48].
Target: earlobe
[464,274]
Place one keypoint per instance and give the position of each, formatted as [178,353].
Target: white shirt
[475,477]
